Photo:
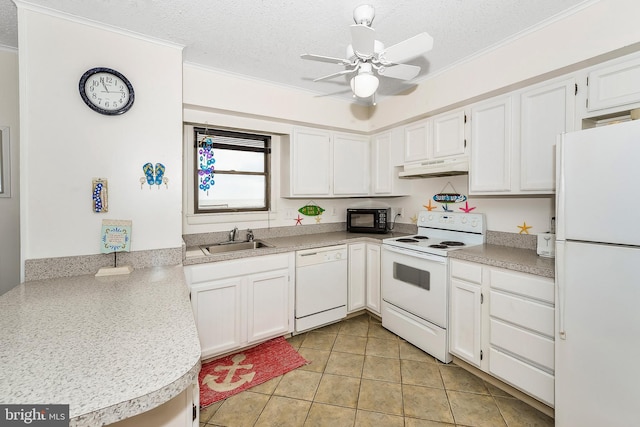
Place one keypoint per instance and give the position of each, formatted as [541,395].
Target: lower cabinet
[241,302]
[364,277]
[502,322]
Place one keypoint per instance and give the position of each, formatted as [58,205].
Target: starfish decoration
[299,220]
[466,208]
[318,219]
[414,219]
[446,208]
[429,207]
[524,228]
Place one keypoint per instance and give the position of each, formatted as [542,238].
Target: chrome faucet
[249,235]
[232,234]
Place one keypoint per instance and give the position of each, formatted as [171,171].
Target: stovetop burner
[451,243]
[407,240]
[439,246]
[420,237]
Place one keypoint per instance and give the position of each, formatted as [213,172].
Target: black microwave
[368,220]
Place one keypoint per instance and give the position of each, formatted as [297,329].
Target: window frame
[240,135]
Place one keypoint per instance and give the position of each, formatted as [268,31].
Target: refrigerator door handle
[560,289]
[560,190]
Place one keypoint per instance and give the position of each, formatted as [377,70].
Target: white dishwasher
[321,286]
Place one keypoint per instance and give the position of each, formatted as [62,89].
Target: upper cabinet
[613,85]
[386,162]
[448,134]
[319,163]
[350,165]
[513,138]
[437,137]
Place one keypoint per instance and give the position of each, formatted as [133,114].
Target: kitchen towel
[237,372]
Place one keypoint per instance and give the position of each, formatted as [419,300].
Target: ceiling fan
[367,58]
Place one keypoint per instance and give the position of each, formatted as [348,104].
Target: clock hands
[105,86]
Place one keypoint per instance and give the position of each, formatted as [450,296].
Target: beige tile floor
[363,375]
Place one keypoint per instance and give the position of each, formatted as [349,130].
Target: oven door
[415,282]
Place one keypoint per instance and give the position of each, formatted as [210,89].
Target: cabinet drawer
[529,285]
[466,271]
[519,311]
[523,376]
[523,343]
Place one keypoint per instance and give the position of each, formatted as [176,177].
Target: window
[231,171]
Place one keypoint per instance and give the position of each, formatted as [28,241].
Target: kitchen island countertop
[523,260]
[111,347]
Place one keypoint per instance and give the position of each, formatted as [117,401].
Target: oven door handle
[416,254]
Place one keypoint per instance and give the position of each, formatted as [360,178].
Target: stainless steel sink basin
[236,246]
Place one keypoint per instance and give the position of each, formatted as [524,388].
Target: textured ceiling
[264,39]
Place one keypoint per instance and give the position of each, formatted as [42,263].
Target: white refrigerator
[597,366]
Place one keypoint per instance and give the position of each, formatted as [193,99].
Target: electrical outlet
[334,212]
[288,213]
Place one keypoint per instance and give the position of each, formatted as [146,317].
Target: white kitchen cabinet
[364,277]
[351,162]
[217,309]
[466,314]
[320,163]
[357,277]
[513,138]
[306,163]
[448,134]
[522,332]
[614,84]
[417,141]
[546,111]
[490,165]
[374,283]
[386,162]
[241,302]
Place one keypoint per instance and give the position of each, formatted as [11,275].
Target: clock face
[106,91]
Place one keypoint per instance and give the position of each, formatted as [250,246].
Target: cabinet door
[311,162]
[217,309]
[490,167]
[545,112]
[357,277]
[465,321]
[448,134]
[614,85]
[382,168]
[417,141]
[267,305]
[373,277]
[350,165]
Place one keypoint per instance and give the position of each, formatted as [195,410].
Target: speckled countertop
[512,258]
[194,254]
[110,347]
[517,259]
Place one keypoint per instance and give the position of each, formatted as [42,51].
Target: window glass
[231,171]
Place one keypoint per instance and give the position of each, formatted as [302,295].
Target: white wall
[65,144]
[10,206]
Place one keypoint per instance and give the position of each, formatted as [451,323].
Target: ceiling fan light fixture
[364,14]
[364,85]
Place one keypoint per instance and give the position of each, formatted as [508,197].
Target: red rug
[237,372]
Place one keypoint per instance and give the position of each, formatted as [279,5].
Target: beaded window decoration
[205,164]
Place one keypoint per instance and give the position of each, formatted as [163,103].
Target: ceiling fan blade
[400,71]
[363,40]
[408,49]
[331,76]
[325,59]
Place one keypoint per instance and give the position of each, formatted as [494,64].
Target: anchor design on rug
[226,384]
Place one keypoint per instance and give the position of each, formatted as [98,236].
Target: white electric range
[415,277]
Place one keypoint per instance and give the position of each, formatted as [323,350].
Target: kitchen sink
[235,246]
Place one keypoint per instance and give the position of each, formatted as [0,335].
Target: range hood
[435,168]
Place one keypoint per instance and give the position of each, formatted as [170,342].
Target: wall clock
[106,91]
